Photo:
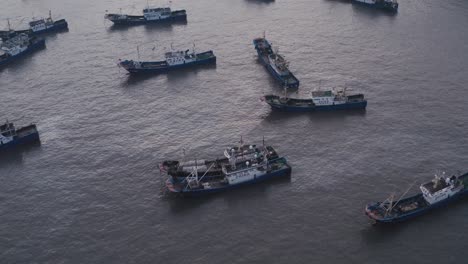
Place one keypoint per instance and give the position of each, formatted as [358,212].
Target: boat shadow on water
[372,12]
[319,116]
[15,156]
[180,204]
[260,2]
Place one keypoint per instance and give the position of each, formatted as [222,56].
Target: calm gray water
[92,193]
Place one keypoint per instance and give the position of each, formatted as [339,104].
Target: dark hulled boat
[150,15]
[275,63]
[11,137]
[386,5]
[233,175]
[173,60]
[38,26]
[434,194]
[318,101]
[17,46]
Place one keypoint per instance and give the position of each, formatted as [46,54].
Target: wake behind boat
[150,15]
[436,193]
[318,101]
[173,60]
[275,63]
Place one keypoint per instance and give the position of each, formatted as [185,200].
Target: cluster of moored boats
[16,43]
[246,163]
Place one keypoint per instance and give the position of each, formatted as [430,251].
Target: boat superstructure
[275,63]
[173,60]
[438,192]
[317,101]
[150,15]
[213,168]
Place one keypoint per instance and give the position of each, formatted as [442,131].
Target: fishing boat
[318,101]
[439,192]
[213,168]
[11,137]
[234,175]
[150,15]
[14,47]
[38,26]
[387,5]
[173,60]
[275,63]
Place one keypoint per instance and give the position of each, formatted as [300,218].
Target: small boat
[12,137]
[436,193]
[173,60]
[275,63]
[38,26]
[318,101]
[233,175]
[150,15]
[14,47]
[213,168]
[387,5]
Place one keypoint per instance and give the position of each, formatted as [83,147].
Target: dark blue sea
[92,191]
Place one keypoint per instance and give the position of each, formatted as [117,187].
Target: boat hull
[33,47]
[347,106]
[180,15]
[285,172]
[211,60]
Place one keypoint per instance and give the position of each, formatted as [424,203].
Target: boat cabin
[440,189]
[156,13]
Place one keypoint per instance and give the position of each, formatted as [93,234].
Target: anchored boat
[387,5]
[213,168]
[232,175]
[14,47]
[275,63]
[11,137]
[318,101]
[436,193]
[173,60]
[38,26]
[150,15]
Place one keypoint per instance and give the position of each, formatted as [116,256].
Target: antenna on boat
[263,141]
[9,26]
[193,48]
[138,51]
[147,4]
[50,14]
[264,34]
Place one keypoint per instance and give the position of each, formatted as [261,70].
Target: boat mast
[9,26]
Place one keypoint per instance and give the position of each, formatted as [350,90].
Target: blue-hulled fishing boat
[17,46]
[38,26]
[387,5]
[11,137]
[439,192]
[173,60]
[275,63]
[318,101]
[150,15]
